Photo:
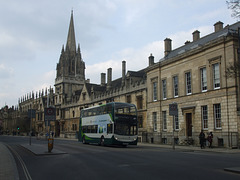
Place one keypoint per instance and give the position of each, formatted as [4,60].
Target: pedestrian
[52,133]
[210,139]
[202,139]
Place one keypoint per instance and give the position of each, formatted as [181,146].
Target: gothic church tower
[70,69]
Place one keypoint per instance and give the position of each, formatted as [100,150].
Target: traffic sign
[49,114]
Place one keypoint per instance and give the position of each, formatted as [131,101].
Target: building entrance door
[189,124]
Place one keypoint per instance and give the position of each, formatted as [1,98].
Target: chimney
[123,72]
[151,59]
[168,46]
[87,81]
[109,78]
[218,26]
[196,35]
[103,79]
[187,42]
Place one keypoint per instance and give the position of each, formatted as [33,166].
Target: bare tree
[234,5]
[233,70]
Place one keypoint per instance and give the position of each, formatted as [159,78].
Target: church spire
[71,43]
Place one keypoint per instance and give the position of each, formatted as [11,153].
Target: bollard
[50,144]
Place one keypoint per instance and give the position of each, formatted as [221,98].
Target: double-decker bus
[109,124]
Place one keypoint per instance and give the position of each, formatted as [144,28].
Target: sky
[109,31]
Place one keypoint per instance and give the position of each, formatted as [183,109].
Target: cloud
[96,14]
[213,14]
[136,59]
[93,71]
[45,81]
[135,11]
[6,72]
[14,47]
[179,38]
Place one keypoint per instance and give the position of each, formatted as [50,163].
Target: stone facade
[193,76]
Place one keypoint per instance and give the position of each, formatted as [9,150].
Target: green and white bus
[109,124]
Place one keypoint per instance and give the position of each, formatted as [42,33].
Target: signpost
[31,114]
[173,111]
[49,115]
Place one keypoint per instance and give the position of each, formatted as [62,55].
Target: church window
[128,98]
[140,121]
[139,102]
[84,96]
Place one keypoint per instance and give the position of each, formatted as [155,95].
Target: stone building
[37,102]
[12,121]
[193,76]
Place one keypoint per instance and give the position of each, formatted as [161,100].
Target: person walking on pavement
[202,139]
[210,139]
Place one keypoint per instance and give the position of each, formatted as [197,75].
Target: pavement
[8,168]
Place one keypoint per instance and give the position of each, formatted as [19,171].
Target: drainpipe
[238,81]
[160,99]
[226,92]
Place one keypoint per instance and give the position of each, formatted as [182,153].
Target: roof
[71,43]
[95,87]
[140,73]
[202,41]
[116,83]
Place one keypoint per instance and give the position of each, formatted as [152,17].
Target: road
[133,162]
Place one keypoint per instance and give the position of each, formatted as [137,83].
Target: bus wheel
[102,141]
[83,140]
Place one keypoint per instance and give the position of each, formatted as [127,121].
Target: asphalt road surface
[129,163]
